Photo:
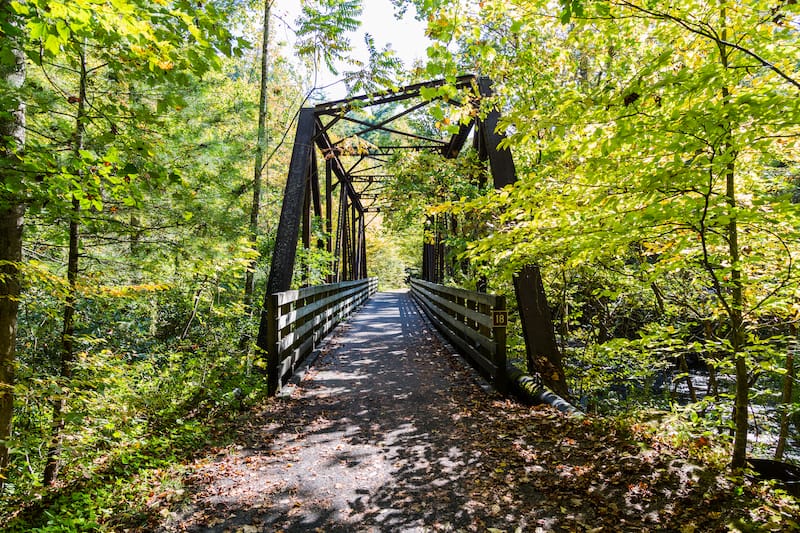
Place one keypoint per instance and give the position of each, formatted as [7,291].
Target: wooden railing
[299,319]
[474,322]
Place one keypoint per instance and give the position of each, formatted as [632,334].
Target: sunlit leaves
[322,28]
[656,148]
[383,68]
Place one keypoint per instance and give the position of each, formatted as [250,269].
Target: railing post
[499,323]
[273,357]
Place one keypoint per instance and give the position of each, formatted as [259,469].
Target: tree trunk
[261,145]
[12,131]
[786,395]
[544,358]
[67,350]
[68,332]
[735,309]
[10,256]
[687,377]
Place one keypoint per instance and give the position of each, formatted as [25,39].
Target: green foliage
[393,255]
[652,150]
[322,27]
[135,407]
[160,179]
[380,72]
[134,57]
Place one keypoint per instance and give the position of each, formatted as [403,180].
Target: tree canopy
[145,146]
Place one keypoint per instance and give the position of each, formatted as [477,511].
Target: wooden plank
[269,323]
[339,307]
[500,319]
[293,316]
[287,297]
[469,351]
[462,329]
[288,340]
[475,316]
[335,301]
[466,329]
[297,355]
[479,297]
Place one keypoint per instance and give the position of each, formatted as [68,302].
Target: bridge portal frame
[303,194]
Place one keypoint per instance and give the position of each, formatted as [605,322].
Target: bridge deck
[389,432]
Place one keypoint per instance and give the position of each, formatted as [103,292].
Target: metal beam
[404,93]
[372,127]
[501,162]
[380,125]
[453,148]
[285,252]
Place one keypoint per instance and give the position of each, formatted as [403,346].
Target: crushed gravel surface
[389,431]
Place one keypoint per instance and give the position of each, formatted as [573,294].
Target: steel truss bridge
[332,147]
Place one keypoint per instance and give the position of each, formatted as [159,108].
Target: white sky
[406,36]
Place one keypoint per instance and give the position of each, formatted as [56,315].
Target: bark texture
[68,332]
[258,167]
[12,131]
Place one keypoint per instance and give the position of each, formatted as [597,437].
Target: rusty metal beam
[454,147]
[404,93]
[285,251]
[372,127]
[501,163]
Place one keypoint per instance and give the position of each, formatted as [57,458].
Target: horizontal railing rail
[474,322]
[299,319]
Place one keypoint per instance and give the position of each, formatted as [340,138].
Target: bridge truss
[335,140]
[337,173]
[354,171]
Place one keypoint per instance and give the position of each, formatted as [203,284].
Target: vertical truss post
[427,261]
[427,252]
[338,254]
[306,232]
[316,196]
[500,160]
[356,243]
[359,228]
[285,251]
[329,217]
[363,231]
[353,229]
[345,224]
[441,252]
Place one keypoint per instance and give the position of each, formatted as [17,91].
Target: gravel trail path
[389,431]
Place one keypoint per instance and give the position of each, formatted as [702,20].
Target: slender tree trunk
[67,350]
[786,395]
[711,361]
[68,332]
[197,294]
[12,136]
[261,145]
[687,377]
[11,218]
[735,313]
[662,309]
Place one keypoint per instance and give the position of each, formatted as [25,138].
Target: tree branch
[710,34]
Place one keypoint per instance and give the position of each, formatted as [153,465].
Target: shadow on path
[390,432]
[370,436]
